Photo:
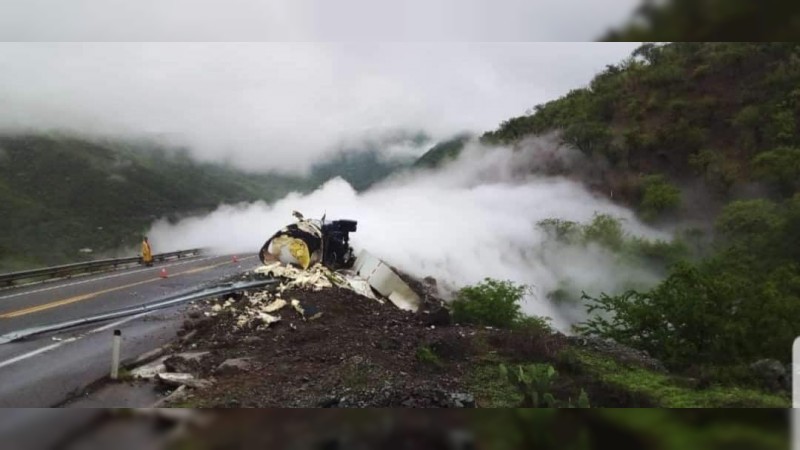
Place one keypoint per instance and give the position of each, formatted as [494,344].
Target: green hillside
[705,136]
[721,114]
[442,152]
[711,20]
[367,163]
[674,123]
[61,194]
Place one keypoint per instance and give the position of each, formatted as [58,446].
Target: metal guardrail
[67,270]
[227,288]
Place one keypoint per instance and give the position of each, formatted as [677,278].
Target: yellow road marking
[78,298]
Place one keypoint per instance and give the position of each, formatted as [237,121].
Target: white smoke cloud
[475,218]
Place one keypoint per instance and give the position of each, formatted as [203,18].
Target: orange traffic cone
[235,259]
[163,272]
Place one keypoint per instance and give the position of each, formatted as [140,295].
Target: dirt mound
[357,352]
[333,347]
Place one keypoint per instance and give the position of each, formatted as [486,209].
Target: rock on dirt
[182,379]
[439,317]
[462,400]
[188,362]
[772,374]
[234,365]
[151,369]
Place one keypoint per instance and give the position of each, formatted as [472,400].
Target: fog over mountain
[282,105]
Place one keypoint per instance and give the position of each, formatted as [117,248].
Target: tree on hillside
[734,307]
[711,20]
[781,167]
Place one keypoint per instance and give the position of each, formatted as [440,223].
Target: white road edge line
[47,348]
[102,278]
[25,356]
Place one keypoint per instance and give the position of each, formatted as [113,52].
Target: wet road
[45,370]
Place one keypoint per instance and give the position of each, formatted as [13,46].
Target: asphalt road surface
[46,370]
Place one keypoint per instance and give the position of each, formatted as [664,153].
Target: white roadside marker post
[115,342]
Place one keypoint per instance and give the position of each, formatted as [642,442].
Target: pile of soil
[358,353]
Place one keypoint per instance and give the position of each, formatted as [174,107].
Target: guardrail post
[115,343]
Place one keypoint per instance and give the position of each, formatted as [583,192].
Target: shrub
[427,356]
[606,231]
[662,252]
[780,166]
[491,303]
[534,324]
[704,315]
[588,137]
[783,126]
[658,196]
[688,317]
[747,118]
[733,307]
[751,228]
[565,231]
[721,173]
[534,382]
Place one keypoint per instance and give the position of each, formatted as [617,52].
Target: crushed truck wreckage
[310,241]
[317,254]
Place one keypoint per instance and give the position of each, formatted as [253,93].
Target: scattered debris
[276,305]
[182,379]
[298,308]
[174,379]
[381,277]
[360,286]
[151,369]
[462,400]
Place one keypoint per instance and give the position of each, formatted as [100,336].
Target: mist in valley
[475,217]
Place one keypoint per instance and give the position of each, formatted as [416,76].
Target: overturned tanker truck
[310,241]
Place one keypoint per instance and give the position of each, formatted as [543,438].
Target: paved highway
[45,370]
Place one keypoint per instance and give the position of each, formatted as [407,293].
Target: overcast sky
[310,20]
[278,105]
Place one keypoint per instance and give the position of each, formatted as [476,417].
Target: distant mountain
[61,194]
[361,170]
[371,161]
[443,151]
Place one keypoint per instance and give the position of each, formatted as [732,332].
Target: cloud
[475,218]
[310,20]
[281,105]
